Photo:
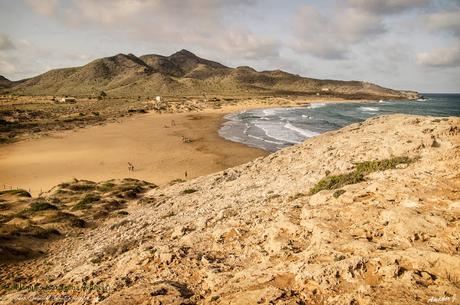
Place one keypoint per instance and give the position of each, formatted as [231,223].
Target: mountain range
[185,74]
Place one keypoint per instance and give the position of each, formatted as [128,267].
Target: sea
[274,128]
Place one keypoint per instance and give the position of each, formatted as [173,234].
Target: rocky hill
[369,214]
[184,73]
[4,82]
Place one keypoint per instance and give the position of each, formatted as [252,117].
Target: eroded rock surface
[253,235]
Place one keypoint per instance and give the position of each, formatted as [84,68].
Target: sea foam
[316,105]
[304,132]
[369,109]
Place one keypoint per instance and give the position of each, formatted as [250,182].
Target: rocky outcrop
[254,234]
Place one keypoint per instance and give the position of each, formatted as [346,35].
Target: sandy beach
[151,142]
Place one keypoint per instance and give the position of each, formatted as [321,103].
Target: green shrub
[368,167]
[338,193]
[39,232]
[356,176]
[189,191]
[334,182]
[77,222]
[82,187]
[175,181]
[105,187]
[41,206]
[131,187]
[64,185]
[86,201]
[19,192]
[5,218]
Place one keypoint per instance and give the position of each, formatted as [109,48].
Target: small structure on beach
[68,100]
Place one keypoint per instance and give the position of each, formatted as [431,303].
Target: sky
[401,44]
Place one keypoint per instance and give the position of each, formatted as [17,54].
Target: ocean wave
[369,109]
[225,127]
[316,105]
[231,117]
[265,140]
[303,132]
[275,128]
[234,138]
[277,132]
[246,128]
[270,111]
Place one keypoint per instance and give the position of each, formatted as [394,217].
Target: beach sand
[149,142]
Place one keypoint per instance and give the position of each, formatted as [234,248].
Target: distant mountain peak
[183,73]
[246,68]
[5,82]
[187,61]
[184,52]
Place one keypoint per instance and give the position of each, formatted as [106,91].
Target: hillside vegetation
[184,73]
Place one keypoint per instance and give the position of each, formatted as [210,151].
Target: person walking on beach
[185,174]
[130,167]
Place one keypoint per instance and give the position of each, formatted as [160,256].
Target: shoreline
[148,141]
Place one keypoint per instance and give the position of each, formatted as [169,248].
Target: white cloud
[6,43]
[331,36]
[105,11]
[175,22]
[384,7]
[443,22]
[21,58]
[44,7]
[6,66]
[247,44]
[448,21]
[356,25]
[441,57]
